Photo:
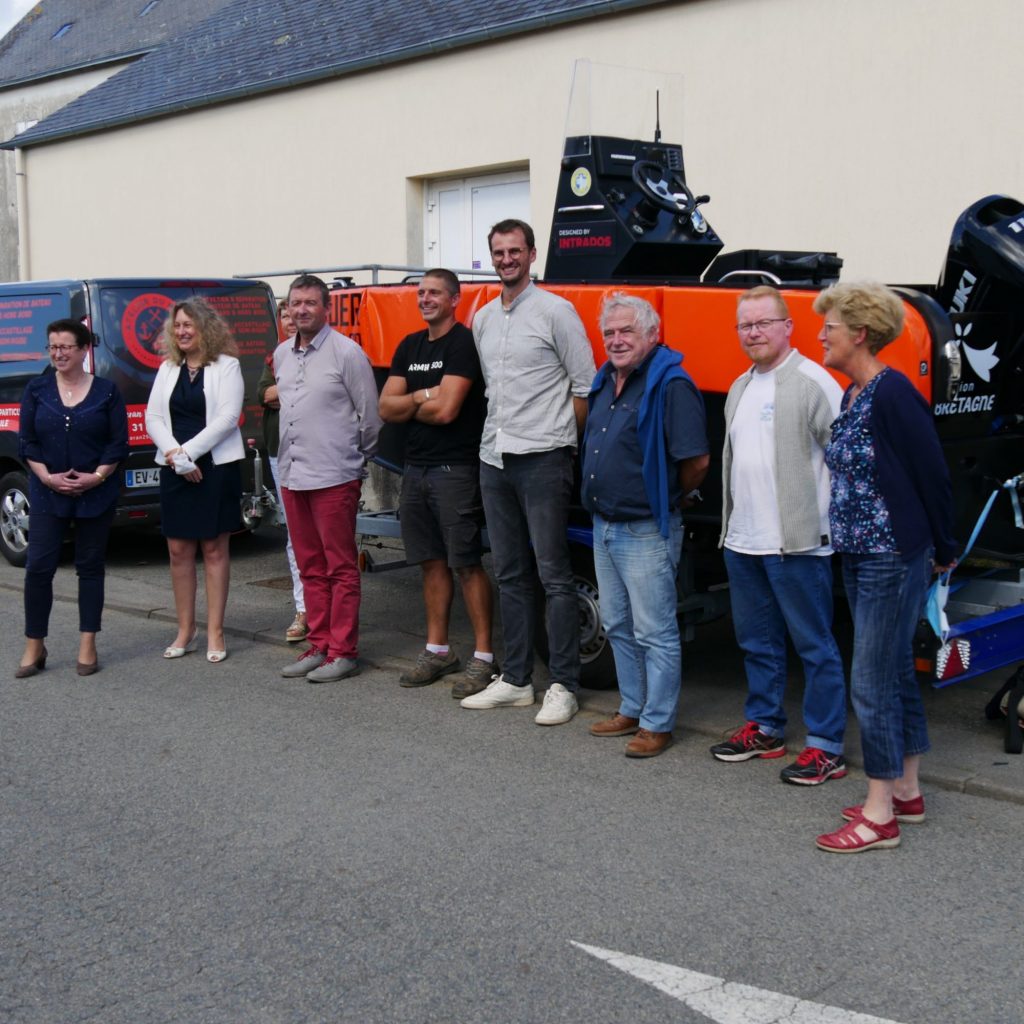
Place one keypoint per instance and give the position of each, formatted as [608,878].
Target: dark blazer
[90,434]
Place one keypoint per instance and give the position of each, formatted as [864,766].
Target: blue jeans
[45,537]
[771,594]
[527,504]
[636,576]
[886,596]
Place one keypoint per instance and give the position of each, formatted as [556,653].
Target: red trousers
[322,525]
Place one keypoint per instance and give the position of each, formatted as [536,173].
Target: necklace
[69,387]
[193,372]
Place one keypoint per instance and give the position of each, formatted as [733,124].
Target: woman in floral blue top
[891,520]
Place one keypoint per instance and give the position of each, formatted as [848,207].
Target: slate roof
[101,31]
[256,46]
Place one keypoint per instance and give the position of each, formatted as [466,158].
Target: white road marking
[725,1002]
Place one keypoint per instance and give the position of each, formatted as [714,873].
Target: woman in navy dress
[192,417]
[73,434]
[891,519]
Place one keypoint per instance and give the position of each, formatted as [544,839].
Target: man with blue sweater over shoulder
[645,451]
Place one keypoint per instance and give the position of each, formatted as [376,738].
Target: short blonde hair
[766,291]
[868,304]
[214,335]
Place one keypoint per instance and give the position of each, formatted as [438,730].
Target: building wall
[861,126]
[25,105]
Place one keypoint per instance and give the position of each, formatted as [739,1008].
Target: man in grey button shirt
[329,426]
[538,366]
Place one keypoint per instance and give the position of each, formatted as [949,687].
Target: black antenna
[657,115]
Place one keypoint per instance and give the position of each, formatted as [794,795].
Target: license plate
[134,478]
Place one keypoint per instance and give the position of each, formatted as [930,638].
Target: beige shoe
[180,652]
[298,630]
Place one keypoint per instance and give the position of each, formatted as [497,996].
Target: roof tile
[261,45]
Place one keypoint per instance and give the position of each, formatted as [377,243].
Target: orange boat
[625,220]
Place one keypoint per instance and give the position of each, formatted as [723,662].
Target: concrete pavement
[967,754]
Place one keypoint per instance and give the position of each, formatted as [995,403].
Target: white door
[460,212]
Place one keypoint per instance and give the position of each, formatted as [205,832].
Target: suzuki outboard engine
[982,289]
[980,417]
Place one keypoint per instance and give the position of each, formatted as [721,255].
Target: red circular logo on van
[141,324]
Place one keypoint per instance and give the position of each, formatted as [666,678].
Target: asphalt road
[185,842]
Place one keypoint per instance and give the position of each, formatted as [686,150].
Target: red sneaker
[749,742]
[813,767]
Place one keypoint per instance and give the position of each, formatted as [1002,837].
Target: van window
[130,321]
[250,315]
[135,317]
[23,320]
[131,318]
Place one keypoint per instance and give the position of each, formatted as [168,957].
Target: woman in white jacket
[192,417]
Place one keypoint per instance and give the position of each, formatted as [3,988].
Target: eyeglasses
[828,326]
[761,325]
[512,254]
[55,349]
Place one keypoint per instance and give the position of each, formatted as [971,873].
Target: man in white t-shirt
[775,531]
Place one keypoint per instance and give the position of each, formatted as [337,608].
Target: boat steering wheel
[664,187]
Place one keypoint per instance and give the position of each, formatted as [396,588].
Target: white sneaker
[559,706]
[499,694]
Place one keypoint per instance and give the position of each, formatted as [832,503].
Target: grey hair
[645,316]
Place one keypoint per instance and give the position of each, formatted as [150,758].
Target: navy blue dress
[213,506]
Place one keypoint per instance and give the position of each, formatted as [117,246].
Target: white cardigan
[224,391]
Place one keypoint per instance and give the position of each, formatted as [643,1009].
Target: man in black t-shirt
[435,386]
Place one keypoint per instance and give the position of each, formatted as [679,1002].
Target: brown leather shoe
[617,725]
[648,744]
[25,671]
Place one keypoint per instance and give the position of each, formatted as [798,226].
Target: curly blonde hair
[867,304]
[212,332]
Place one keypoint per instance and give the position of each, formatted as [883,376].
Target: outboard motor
[981,417]
[982,289]
[623,212]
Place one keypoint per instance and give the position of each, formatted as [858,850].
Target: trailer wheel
[597,665]
[14,518]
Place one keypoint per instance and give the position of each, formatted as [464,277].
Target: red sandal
[847,840]
[908,812]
